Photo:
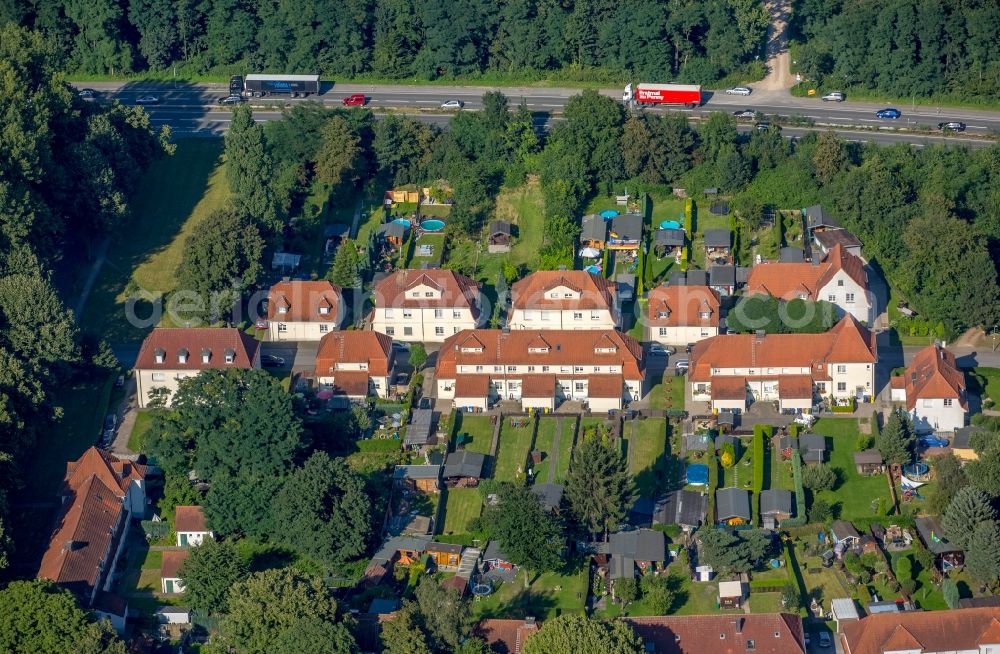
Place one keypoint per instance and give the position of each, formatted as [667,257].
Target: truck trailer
[261,84]
[688,95]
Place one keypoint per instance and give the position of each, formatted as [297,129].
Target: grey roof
[383,605]
[775,500]
[494,552]
[932,535]
[465,463]
[726,418]
[722,276]
[337,230]
[812,442]
[681,507]
[625,279]
[285,260]
[499,227]
[416,472]
[677,278]
[698,442]
[549,494]
[450,548]
[844,609]
[420,428]
[785,442]
[669,237]
[732,503]
[722,439]
[639,545]
[718,238]
[622,567]
[628,226]
[842,529]
[842,237]
[791,255]
[872,456]
[393,229]
[697,278]
[398,543]
[886,606]
[595,228]
[962,436]
[817,217]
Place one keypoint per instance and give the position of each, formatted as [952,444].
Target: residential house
[668,243]
[170,566]
[499,239]
[933,389]
[731,594]
[844,534]
[463,468]
[946,555]
[625,286]
[303,311]
[813,448]
[826,232]
[603,368]
[627,550]
[101,495]
[354,364]
[723,279]
[843,609]
[425,306]
[732,506]
[191,527]
[678,315]
[420,431]
[564,299]
[394,233]
[446,556]
[924,632]
[689,278]
[718,246]
[868,462]
[626,232]
[506,636]
[961,445]
[760,633]
[550,496]
[791,254]
[169,355]
[775,506]
[495,559]
[839,279]
[424,478]
[172,615]
[683,508]
[594,233]
[404,550]
[792,369]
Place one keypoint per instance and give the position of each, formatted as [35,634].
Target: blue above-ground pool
[608,213]
[593,269]
[402,221]
[697,474]
[432,225]
[670,224]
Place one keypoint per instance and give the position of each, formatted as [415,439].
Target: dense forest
[691,40]
[901,48]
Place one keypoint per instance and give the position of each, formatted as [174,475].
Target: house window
[663,331]
[840,282]
[597,369]
[456,314]
[579,387]
[567,295]
[511,368]
[159,377]
[841,387]
[428,294]
[947,401]
[831,298]
[546,315]
[324,329]
[282,309]
[821,387]
[545,368]
[705,315]
[497,368]
[323,310]
[407,313]
[479,368]
[439,331]
[390,331]
[850,298]
[554,296]
[751,645]
[282,328]
[928,402]
[390,313]
[531,368]
[439,313]
[577,368]
[595,315]
[577,315]
[407,331]
[704,333]
[841,369]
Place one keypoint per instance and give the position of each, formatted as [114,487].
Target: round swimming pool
[402,221]
[670,224]
[432,225]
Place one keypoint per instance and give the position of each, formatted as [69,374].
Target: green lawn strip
[512,453]
[741,474]
[857,495]
[638,308]
[985,382]
[550,595]
[765,603]
[566,444]
[176,194]
[544,442]
[461,506]
[137,439]
[524,207]
[436,241]
[477,432]
[648,460]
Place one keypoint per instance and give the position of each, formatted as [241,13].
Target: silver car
[739,90]
[452,104]
[147,99]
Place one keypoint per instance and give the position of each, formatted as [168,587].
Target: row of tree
[693,41]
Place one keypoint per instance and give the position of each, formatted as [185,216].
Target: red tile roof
[304,301]
[682,306]
[563,348]
[933,373]
[771,633]
[353,346]
[533,291]
[788,280]
[538,386]
[472,386]
[605,386]
[457,291]
[170,566]
[505,636]
[194,341]
[795,387]
[928,631]
[729,388]
[189,518]
[847,342]
[352,383]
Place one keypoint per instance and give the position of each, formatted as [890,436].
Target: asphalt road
[194,110]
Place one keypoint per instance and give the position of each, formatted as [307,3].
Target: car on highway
[147,99]
[452,104]
[745,113]
[889,113]
[230,100]
[355,100]
[271,361]
[764,125]
[833,96]
[952,126]
[87,94]
[235,85]
[739,90]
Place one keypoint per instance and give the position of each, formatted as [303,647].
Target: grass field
[550,595]
[544,442]
[137,439]
[985,382]
[512,453]
[648,458]
[477,432]
[436,241]
[461,506]
[668,393]
[176,194]
[856,496]
[524,206]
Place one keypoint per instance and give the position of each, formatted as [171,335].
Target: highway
[193,109]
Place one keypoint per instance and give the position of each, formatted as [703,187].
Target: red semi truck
[688,95]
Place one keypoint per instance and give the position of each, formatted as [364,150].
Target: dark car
[953,126]
[235,85]
[147,99]
[230,100]
[355,100]
[890,113]
[764,125]
[87,94]
[745,113]
[271,361]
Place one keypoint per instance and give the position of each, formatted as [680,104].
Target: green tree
[949,588]
[951,478]
[316,636]
[791,599]
[209,573]
[36,324]
[904,569]
[177,491]
[819,477]
[573,633]
[323,511]
[403,634]
[249,169]
[717,134]
[445,614]
[242,505]
[530,536]
[418,355]
[346,269]
[984,472]
[155,21]
[37,616]
[599,487]
[268,604]
[337,159]
[627,589]
[657,593]
[732,551]
[820,511]
[967,510]
[896,440]
[829,158]
[982,556]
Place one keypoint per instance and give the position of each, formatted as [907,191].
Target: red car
[356,100]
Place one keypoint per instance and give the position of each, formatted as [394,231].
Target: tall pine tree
[599,487]
[249,169]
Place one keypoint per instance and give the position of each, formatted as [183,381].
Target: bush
[820,511]
[819,477]
[846,408]
[627,590]
[656,591]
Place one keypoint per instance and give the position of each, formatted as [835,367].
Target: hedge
[800,493]
[713,483]
[767,585]
[849,408]
[758,466]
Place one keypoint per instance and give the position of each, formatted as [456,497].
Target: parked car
[952,126]
[657,350]
[452,104]
[739,90]
[745,113]
[235,85]
[681,364]
[271,361]
[231,99]
[147,99]
[87,94]
[355,100]
[932,441]
[889,113]
[833,96]
[824,639]
[400,346]
[110,421]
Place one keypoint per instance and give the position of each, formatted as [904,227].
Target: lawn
[175,195]
[436,241]
[524,206]
[986,383]
[857,496]
[461,506]
[137,439]
[668,393]
[512,452]
[550,595]
[476,432]
[647,462]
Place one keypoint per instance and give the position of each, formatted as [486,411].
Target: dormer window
[705,315]
[605,350]
[230,355]
[472,349]
[283,307]
[541,349]
[159,355]
[663,314]
[182,355]
[324,309]
[206,355]
[554,296]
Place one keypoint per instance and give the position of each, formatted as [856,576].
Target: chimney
[72,545]
[760,334]
[739,625]
[286,279]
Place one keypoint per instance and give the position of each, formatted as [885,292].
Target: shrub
[820,511]
[627,590]
[819,477]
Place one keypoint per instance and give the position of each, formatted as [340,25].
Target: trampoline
[481,587]
[608,214]
[697,474]
[432,225]
[719,208]
[915,470]
[670,224]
